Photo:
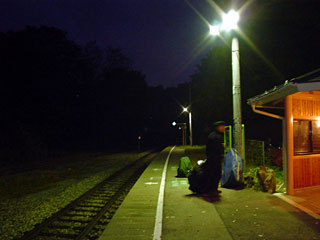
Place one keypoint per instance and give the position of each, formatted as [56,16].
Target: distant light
[214,30]
[230,20]
[185,109]
[174,123]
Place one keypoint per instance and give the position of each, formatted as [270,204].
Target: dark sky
[165,38]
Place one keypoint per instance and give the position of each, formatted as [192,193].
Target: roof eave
[273,96]
[282,92]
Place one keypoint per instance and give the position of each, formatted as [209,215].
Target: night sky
[166,39]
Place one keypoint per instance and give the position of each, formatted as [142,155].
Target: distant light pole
[182,127]
[185,109]
[229,22]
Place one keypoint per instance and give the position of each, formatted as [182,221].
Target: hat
[218,123]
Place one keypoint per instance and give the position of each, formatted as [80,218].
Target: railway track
[87,216]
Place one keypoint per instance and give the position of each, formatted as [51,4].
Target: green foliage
[251,180]
[254,152]
[254,159]
[257,154]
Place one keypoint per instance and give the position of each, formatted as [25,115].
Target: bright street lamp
[230,20]
[229,23]
[185,109]
[214,30]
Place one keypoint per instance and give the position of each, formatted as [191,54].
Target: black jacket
[215,144]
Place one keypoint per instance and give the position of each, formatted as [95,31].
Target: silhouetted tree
[41,72]
[59,95]
[211,91]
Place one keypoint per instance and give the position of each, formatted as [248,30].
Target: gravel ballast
[18,215]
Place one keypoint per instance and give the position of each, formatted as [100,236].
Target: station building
[297,104]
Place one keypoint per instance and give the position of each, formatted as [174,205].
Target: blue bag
[232,175]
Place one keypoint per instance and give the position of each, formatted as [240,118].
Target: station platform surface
[237,214]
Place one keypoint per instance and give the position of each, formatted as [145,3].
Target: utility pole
[236,95]
[190,116]
[190,127]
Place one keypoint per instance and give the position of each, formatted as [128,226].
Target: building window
[306,137]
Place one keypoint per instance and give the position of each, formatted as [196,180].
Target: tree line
[58,95]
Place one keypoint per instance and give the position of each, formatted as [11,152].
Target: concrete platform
[182,216]
[238,215]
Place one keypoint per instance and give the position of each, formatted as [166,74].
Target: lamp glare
[214,30]
[230,20]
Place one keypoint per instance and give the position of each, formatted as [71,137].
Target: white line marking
[150,183]
[158,224]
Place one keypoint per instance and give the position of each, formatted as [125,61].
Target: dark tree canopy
[211,95]
[58,95]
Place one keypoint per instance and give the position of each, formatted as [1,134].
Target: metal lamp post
[185,109]
[236,95]
[229,23]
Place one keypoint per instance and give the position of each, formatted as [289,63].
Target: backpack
[197,179]
[185,167]
[232,175]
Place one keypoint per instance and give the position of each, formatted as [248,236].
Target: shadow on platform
[207,198]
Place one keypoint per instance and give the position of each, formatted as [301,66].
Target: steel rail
[107,197]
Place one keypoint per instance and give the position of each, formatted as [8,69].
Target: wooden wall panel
[315,166]
[306,171]
[305,107]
